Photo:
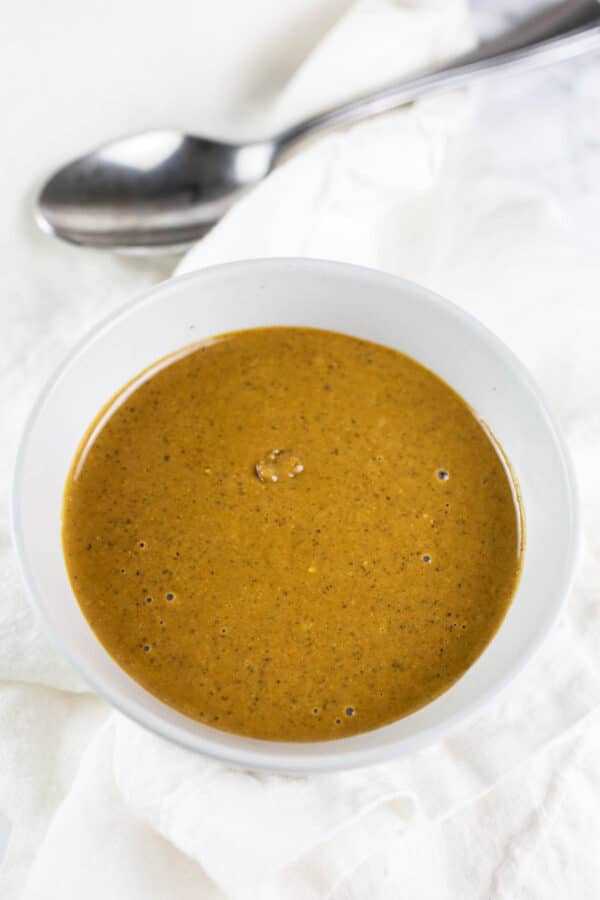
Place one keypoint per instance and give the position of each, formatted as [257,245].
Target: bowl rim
[293,762]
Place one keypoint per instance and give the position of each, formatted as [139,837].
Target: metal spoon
[162,190]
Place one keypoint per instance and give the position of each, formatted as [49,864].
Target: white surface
[460,194]
[317,294]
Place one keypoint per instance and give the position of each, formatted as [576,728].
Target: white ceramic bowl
[327,295]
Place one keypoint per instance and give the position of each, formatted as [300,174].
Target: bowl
[360,302]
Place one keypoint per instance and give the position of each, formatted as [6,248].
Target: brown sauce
[291,534]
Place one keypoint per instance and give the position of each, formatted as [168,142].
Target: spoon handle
[570,29]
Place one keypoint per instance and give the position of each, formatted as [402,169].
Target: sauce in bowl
[292,534]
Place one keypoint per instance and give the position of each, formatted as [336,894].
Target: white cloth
[503,808]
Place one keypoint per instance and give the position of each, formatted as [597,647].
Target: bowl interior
[343,298]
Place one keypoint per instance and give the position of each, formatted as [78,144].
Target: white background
[73,74]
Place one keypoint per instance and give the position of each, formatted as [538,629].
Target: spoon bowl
[160,189]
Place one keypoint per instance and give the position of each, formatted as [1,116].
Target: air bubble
[426,558]
[170,596]
[443,474]
[276,465]
[148,599]
[349,710]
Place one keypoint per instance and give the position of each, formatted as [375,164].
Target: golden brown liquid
[291,534]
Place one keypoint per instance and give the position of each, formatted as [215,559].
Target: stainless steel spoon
[162,190]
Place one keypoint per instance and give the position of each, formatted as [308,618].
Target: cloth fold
[102,808]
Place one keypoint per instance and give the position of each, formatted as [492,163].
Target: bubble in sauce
[278,465]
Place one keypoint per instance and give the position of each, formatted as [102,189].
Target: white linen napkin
[102,808]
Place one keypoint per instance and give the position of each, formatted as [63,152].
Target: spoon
[163,190]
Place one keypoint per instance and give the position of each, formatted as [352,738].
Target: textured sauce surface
[291,534]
